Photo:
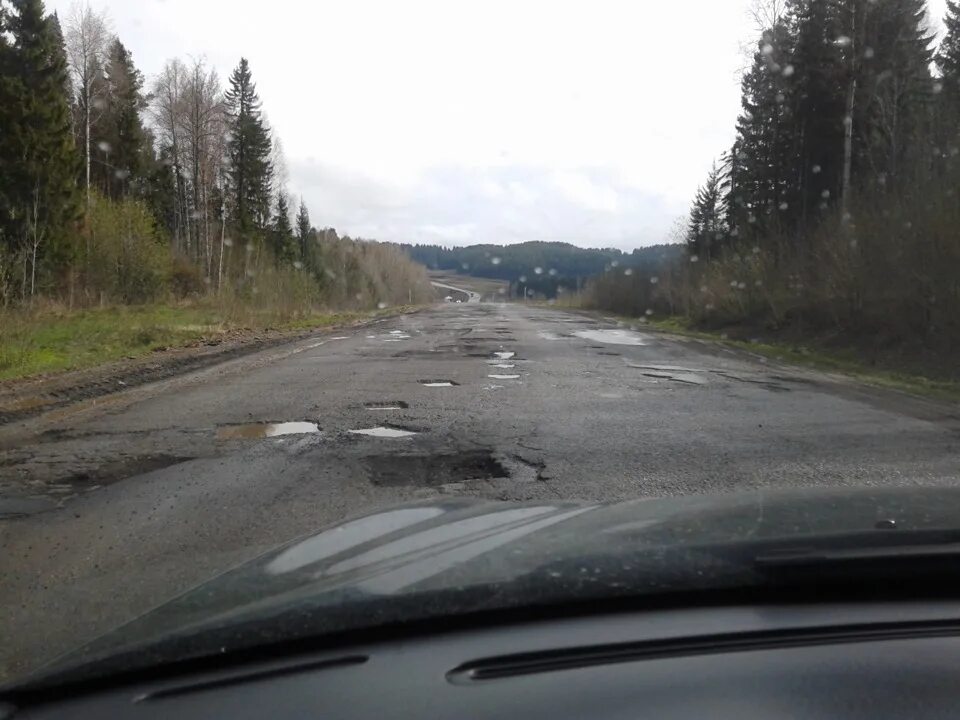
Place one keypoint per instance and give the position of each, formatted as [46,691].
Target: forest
[834,215]
[116,192]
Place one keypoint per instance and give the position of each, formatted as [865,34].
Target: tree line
[536,268]
[835,211]
[113,189]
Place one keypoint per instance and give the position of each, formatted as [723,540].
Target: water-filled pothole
[255,431]
[439,383]
[433,470]
[387,405]
[384,432]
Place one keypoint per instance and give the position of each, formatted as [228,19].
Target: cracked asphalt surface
[115,505]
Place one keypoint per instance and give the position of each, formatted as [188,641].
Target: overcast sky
[501,121]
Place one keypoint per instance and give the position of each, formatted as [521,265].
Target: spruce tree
[303,231]
[120,129]
[707,231]
[281,233]
[248,153]
[38,194]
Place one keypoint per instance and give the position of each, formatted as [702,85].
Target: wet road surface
[116,505]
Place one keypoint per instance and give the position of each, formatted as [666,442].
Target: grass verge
[51,339]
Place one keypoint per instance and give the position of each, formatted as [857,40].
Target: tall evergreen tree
[894,89]
[303,231]
[119,131]
[248,153]
[707,230]
[763,179]
[281,233]
[38,196]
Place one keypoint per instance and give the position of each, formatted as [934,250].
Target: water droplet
[382,305]
[694,258]
[937,88]
[758,283]
[842,41]
[742,286]
[733,283]
[628,271]
[788,71]
[495,260]
[522,278]
[121,174]
[538,270]
[816,169]
[825,194]
[781,98]
[704,289]
[103,146]
[784,205]
[298,265]
[766,50]
[654,280]
[649,312]
[552,272]
[228,242]
[756,249]
[710,306]
[869,53]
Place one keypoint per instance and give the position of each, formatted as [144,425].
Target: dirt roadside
[25,398]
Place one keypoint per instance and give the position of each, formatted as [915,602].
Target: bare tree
[87,37]
[167,111]
[203,130]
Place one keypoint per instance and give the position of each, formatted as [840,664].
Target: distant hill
[540,267]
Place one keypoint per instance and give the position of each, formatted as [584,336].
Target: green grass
[49,340]
[840,362]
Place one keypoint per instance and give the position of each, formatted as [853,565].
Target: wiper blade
[819,557]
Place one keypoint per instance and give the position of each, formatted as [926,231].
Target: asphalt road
[129,500]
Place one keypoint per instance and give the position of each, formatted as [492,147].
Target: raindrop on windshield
[788,71]
[228,242]
[382,305]
[825,194]
[538,270]
[522,278]
[628,271]
[767,49]
[842,41]
[816,169]
[103,146]
[654,280]
[649,312]
[694,258]
[495,260]
[784,206]
[868,53]
[298,265]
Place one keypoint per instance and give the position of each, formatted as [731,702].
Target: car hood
[453,557]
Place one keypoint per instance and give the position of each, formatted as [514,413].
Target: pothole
[613,337]
[387,405]
[439,383]
[384,431]
[256,431]
[434,470]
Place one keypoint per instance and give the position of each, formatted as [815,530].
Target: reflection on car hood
[451,557]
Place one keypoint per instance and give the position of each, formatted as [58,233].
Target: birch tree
[87,38]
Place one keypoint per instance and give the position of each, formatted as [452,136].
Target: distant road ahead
[472,297]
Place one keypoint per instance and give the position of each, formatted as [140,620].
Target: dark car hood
[451,557]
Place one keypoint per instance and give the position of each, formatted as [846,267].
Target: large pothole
[434,470]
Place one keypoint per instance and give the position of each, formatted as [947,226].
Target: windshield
[321,316]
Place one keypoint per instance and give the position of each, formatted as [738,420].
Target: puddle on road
[504,377]
[384,432]
[504,366]
[439,383]
[255,431]
[390,405]
[549,335]
[614,337]
[341,337]
[505,355]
